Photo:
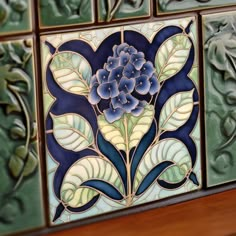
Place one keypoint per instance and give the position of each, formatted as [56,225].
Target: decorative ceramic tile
[111,10]
[220,95]
[121,112]
[15,16]
[64,13]
[20,187]
[187,5]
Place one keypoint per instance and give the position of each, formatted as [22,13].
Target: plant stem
[111,12]
[128,165]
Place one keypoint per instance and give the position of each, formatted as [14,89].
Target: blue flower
[119,101]
[93,96]
[130,71]
[124,58]
[116,74]
[118,49]
[131,103]
[108,90]
[112,63]
[137,60]
[124,47]
[113,114]
[126,85]
[147,69]
[142,85]
[138,110]
[125,77]
[102,75]
[154,84]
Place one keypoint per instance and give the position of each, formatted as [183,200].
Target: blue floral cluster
[125,75]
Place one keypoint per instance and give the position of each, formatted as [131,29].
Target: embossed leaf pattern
[166,150]
[72,72]
[172,56]
[176,111]
[127,132]
[10,80]
[76,193]
[72,132]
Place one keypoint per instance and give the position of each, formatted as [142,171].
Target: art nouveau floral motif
[180,5]
[220,77]
[121,120]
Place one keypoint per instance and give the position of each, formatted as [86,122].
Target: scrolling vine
[124,141]
[18,131]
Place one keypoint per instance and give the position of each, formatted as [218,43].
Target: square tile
[220,96]
[21,205]
[65,13]
[121,115]
[15,16]
[120,10]
[167,6]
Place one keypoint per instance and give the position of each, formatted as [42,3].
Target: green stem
[128,165]
[111,12]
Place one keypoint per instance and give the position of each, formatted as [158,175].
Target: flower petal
[142,85]
[147,69]
[137,60]
[126,85]
[93,96]
[119,101]
[116,74]
[112,63]
[108,90]
[117,49]
[131,103]
[139,108]
[124,58]
[102,75]
[130,71]
[154,85]
[112,114]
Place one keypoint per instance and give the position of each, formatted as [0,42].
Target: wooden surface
[209,216]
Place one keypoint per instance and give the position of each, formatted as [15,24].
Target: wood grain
[210,216]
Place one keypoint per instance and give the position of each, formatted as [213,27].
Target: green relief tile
[121,117]
[21,205]
[165,6]
[120,10]
[220,96]
[64,13]
[15,16]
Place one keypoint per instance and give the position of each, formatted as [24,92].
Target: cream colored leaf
[176,111]
[72,132]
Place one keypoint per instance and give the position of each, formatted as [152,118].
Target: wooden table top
[214,215]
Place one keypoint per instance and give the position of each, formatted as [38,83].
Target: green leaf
[72,132]
[72,72]
[16,165]
[176,111]
[31,164]
[88,168]
[18,130]
[172,56]
[12,80]
[166,150]
[137,127]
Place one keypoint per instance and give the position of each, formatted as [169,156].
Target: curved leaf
[167,150]
[172,56]
[72,72]
[79,183]
[136,128]
[72,132]
[176,111]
